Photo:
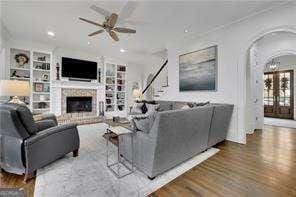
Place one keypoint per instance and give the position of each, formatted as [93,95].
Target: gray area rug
[88,175]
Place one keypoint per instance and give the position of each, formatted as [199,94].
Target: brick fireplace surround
[63,89]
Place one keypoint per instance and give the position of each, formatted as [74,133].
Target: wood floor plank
[265,166]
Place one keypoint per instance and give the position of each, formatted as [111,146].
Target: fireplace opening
[79,104]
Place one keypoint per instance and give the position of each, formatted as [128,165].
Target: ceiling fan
[109,25]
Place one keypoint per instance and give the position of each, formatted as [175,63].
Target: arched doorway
[256,59]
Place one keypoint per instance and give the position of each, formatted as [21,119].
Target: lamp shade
[14,88]
[137,93]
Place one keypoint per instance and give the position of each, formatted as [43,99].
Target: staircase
[159,82]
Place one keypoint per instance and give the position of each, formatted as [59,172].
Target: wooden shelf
[41,61]
[46,82]
[20,78]
[41,109]
[41,70]
[40,92]
[15,68]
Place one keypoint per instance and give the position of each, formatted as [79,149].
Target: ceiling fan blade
[112,20]
[127,10]
[101,11]
[96,32]
[113,35]
[91,22]
[124,30]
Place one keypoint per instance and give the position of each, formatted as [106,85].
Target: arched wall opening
[281,41]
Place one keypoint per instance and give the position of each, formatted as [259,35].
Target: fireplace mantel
[76,84]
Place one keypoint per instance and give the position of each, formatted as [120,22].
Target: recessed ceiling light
[88,42]
[50,33]
[186,30]
[122,50]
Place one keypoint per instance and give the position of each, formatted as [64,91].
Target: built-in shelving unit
[36,69]
[41,82]
[115,87]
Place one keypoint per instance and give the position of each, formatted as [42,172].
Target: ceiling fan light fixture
[122,50]
[88,43]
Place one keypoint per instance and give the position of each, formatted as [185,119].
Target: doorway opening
[278,91]
[271,81]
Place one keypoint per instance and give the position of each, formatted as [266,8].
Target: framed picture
[38,87]
[45,77]
[21,59]
[198,70]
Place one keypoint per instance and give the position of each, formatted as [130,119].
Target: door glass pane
[282,101]
[265,101]
[287,102]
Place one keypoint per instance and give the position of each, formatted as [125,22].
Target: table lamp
[14,88]
[137,94]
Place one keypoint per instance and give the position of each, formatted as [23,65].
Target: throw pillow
[137,108]
[190,105]
[144,108]
[185,107]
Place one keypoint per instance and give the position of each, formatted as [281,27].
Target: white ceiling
[161,23]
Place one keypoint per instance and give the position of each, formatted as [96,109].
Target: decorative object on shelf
[45,77]
[14,88]
[20,74]
[14,74]
[41,58]
[58,71]
[42,105]
[198,70]
[47,88]
[21,60]
[38,87]
[38,66]
[42,98]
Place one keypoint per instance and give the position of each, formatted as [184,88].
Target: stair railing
[155,76]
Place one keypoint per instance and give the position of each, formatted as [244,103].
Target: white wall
[233,42]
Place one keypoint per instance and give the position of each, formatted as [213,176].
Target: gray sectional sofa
[177,135]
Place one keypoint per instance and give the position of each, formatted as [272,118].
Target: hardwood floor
[266,166]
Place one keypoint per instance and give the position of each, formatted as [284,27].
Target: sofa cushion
[165,105]
[152,107]
[26,118]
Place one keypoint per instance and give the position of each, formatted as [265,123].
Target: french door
[278,94]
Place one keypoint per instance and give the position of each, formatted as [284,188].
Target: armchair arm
[44,124]
[46,117]
[49,145]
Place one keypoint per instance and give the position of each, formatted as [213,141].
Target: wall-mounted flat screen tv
[75,68]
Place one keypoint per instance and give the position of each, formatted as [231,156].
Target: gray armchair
[27,145]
